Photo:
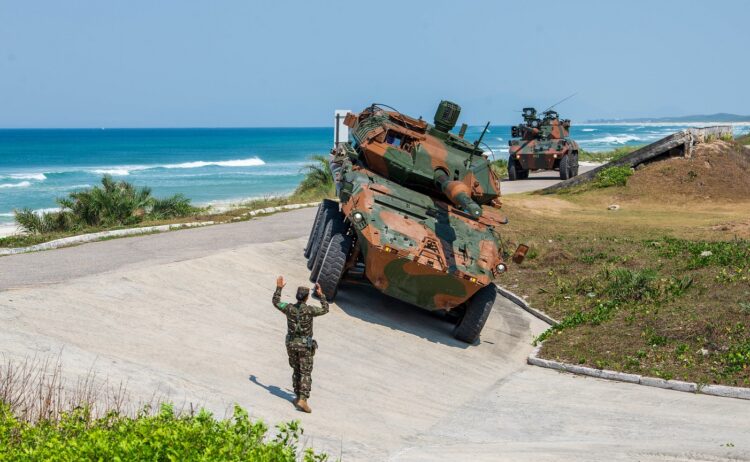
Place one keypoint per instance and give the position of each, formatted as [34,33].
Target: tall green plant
[318,178]
[114,203]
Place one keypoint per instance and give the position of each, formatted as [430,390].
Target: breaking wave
[621,139]
[588,129]
[127,170]
[23,184]
[28,176]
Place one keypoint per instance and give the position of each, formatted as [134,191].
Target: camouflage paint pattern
[428,208]
[543,142]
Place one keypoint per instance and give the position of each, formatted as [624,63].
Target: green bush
[44,223]
[174,206]
[318,180]
[612,176]
[500,167]
[114,203]
[164,436]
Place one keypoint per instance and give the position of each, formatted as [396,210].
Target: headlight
[358,217]
[501,268]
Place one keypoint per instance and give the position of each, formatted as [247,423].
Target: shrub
[499,167]
[318,180]
[114,203]
[174,206]
[45,222]
[613,176]
[162,436]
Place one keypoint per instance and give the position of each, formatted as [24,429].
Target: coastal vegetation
[500,167]
[606,156]
[119,204]
[114,203]
[652,287]
[40,419]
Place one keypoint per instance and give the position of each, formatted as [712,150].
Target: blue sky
[288,63]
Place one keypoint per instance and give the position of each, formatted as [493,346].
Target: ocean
[210,166]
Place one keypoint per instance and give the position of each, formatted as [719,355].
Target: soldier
[300,345]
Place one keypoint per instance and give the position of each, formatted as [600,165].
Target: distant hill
[720,117]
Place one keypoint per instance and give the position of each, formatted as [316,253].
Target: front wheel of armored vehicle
[328,209]
[565,167]
[333,265]
[524,174]
[512,170]
[334,226]
[478,309]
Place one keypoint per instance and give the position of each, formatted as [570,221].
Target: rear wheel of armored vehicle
[478,309]
[334,226]
[512,170]
[565,167]
[333,264]
[308,246]
[329,209]
[574,171]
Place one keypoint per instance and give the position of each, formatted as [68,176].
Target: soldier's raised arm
[323,308]
[276,300]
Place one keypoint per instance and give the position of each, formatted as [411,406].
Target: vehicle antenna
[559,102]
[476,143]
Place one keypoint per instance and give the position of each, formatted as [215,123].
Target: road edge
[93,237]
[533,359]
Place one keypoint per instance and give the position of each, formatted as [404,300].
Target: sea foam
[28,176]
[23,184]
[124,170]
[251,162]
[621,139]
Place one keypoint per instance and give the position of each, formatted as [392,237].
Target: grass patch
[612,176]
[606,156]
[657,292]
[744,139]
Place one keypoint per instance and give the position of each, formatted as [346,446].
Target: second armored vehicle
[418,216]
[544,144]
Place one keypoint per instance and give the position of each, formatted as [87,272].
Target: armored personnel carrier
[544,144]
[418,216]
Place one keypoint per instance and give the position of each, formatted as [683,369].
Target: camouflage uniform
[300,345]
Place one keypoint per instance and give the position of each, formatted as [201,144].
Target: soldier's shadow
[273,389]
[367,303]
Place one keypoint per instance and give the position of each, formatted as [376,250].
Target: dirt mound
[716,170]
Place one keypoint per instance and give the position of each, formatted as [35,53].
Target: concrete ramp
[678,144]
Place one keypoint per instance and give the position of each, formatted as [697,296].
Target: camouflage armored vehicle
[417,217]
[544,144]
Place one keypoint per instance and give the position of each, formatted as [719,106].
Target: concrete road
[539,180]
[188,314]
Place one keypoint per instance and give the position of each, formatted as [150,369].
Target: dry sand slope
[389,381]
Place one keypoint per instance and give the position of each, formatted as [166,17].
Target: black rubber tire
[574,166]
[334,262]
[512,171]
[478,310]
[524,174]
[312,229]
[330,209]
[565,167]
[334,226]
